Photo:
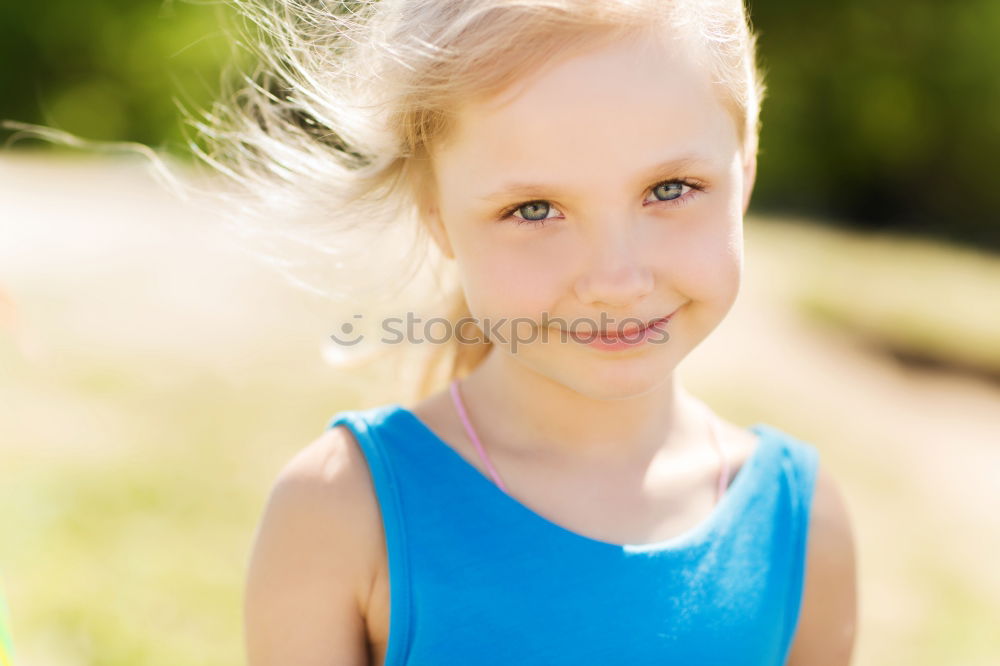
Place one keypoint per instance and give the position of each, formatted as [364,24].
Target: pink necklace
[460,408]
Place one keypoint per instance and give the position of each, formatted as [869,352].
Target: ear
[749,178]
[432,219]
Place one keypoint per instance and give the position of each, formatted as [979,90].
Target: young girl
[560,499]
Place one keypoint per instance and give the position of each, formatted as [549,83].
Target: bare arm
[306,586]
[827,624]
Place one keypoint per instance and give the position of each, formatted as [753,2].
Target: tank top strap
[434,507]
[366,426]
[799,466]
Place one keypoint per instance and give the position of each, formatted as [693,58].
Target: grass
[128,531]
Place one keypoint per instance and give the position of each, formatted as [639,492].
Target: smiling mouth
[632,330]
[628,332]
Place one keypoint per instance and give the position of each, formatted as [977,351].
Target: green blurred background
[144,410]
[881,115]
[111,69]
[884,114]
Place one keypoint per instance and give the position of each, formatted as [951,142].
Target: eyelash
[508,213]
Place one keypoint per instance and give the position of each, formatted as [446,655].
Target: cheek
[519,278]
[702,257]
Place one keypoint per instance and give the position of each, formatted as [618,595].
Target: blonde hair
[332,133]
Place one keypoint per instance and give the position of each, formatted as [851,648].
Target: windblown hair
[332,135]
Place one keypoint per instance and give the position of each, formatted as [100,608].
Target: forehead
[623,105]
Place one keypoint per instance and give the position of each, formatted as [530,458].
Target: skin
[607,444]
[614,247]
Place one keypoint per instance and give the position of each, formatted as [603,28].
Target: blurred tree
[110,69]
[886,114]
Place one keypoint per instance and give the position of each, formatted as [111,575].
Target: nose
[616,275]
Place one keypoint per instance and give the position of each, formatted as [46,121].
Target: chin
[621,380]
[610,377]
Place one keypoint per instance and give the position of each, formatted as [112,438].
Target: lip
[628,338]
[632,330]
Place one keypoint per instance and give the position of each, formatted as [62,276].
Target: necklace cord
[456,398]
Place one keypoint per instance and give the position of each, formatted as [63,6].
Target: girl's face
[606,189]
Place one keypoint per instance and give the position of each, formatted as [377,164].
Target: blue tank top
[476,577]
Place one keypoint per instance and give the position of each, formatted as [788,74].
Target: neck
[524,413]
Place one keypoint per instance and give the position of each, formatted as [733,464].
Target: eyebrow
[664,170]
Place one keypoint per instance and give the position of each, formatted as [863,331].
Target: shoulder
[331,466]
[314,555]
[827,622]
[327,488]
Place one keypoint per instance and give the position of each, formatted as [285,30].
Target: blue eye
[672,192]
[535,213]
[669,190]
